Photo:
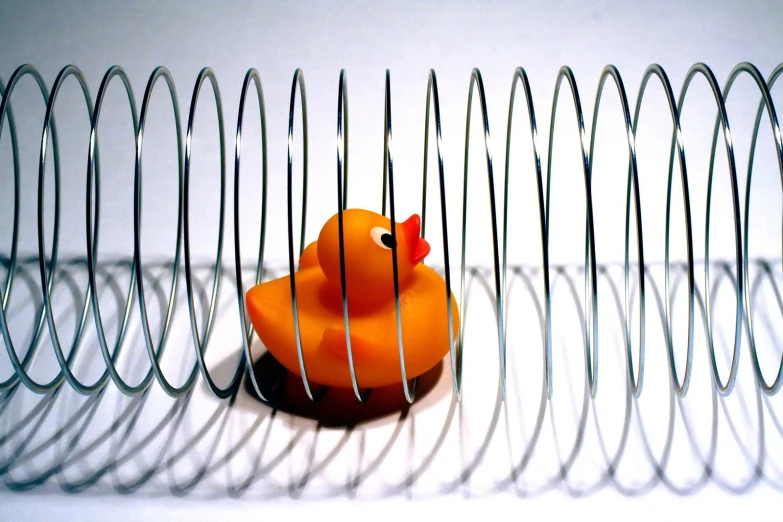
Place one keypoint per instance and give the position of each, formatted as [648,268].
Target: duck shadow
[339,407]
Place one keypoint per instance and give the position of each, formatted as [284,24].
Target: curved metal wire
[20,368]
[700,68]
[77,385]
[476,81]
[455,350]
[201,344]
[92,238]
[342,203]
[520,77]
[633,183]
[252,75]
[409,389]
[678,143]
[298,82]
[591,312]
[159,72]
[5,294]
[766,101]
[13,259]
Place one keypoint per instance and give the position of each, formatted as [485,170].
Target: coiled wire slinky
[502,235]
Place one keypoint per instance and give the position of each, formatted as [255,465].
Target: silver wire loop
[476,81]
[722,118]
[455,350]
[92,237]
[766,101]
[20,368]
[409,389]
[633,183]
[520,77]
[342,204]
[252,75]
[677,141]
[591,287]
[201,344]
[174,392]
[5,294]
[77,385]
[298,82]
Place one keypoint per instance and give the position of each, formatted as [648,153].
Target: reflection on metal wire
[500,239]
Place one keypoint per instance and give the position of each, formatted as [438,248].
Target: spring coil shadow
[174,450]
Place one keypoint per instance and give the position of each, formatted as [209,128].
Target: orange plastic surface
[371,305]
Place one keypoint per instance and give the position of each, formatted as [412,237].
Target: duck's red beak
[418,247]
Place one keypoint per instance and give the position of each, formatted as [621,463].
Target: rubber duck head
[368,249]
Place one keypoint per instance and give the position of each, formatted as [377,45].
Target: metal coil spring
[499,226]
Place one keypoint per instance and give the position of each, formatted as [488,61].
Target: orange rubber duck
[372,311]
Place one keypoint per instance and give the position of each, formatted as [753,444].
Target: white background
[408,39]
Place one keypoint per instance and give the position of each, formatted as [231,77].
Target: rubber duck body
[369,279]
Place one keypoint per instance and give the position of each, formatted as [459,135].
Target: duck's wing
[334,341]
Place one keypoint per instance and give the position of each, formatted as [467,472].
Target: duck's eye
[382,238]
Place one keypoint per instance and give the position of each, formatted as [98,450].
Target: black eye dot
[388,240]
